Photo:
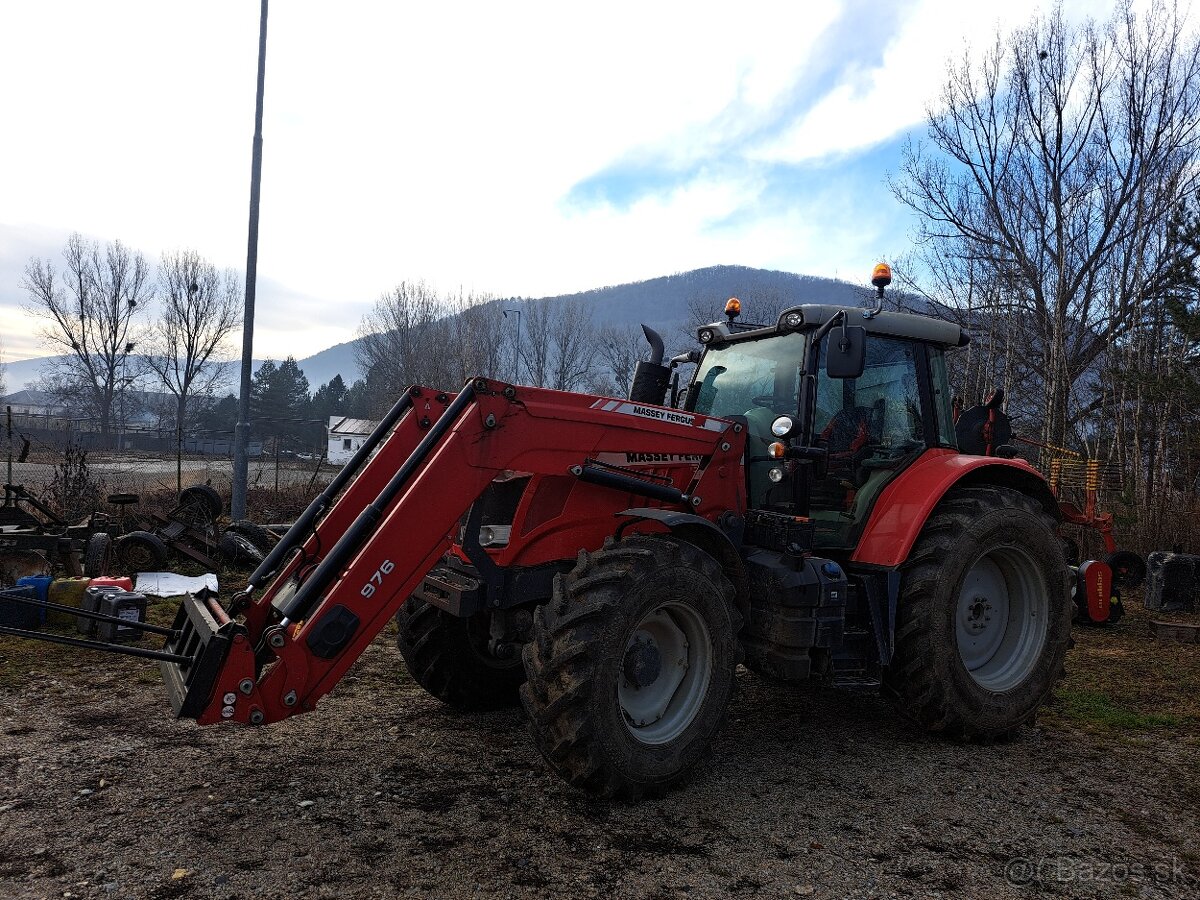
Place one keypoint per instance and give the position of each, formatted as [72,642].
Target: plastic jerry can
[92,598]
[123,582]
[15,614]
[41,584]
[66,592]
[124,605]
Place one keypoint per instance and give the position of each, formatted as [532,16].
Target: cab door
[873,427]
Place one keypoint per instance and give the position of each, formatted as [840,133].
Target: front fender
[706,535]
[900,513]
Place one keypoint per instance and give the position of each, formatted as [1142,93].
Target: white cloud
[438,141]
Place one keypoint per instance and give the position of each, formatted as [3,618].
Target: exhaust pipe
[651,378]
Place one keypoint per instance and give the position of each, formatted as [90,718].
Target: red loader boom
[368,554]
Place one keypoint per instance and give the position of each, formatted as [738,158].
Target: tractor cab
[827,436]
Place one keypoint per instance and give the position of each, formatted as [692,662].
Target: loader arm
[290,646]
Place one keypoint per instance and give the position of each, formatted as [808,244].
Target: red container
[124,583]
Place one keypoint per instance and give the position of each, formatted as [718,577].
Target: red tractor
[800,507]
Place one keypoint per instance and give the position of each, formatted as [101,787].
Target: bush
[74,493]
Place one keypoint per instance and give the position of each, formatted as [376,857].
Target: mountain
[662,303]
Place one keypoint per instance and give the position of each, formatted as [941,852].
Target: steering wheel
[767,401]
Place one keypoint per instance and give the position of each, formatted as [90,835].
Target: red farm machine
[799,506]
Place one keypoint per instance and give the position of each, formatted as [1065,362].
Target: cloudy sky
[522,149]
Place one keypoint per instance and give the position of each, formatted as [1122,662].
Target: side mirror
[846,352]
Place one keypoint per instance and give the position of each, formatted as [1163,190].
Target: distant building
[33,403]
[346,435]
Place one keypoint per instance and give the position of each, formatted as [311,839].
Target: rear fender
[900,512]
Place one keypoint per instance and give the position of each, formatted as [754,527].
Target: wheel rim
[139,556]
[664,673]
[1002,618]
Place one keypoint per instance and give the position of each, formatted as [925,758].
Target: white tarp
[168,584]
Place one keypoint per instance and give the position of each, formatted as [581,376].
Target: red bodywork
[903,506]
[541,432]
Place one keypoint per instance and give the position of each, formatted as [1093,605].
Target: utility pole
[241,431]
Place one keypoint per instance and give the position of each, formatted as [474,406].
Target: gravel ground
[382,792]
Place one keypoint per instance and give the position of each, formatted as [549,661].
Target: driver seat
[850,430]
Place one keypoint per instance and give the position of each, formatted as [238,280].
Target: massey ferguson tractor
[799,506]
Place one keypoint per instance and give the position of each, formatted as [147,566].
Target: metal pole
[241,431]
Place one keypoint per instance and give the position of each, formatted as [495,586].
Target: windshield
[738,378]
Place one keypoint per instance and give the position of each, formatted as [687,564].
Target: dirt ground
[382,792]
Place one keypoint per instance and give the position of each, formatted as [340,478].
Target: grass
[1099,709]
[1121,679]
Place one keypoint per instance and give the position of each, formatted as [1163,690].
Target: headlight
[494,535]
[793,319]
[782,426]
[706,335]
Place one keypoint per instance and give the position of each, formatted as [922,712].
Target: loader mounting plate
[204,634]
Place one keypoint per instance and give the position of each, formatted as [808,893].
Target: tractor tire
[199,505]
[140,551]
[447,655]
[985,553]
[1129,569]
[97,555]
[262,538]
[631,667]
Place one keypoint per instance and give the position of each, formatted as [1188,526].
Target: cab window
[738,378]
[872,427]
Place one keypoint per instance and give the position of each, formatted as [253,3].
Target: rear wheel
[631,667]
[140,551]
[1129,569]
[199,504]
[262,538]
[448,656]
[236,549]
[984,617]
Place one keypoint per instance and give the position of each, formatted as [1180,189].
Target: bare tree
[398,346]
[188,344]
[1055,163]
[620,348]
[536,349]
[91,318]
[573,338]
[414,335]
[477,339]
[558,345]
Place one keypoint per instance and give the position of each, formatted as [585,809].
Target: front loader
[798,506]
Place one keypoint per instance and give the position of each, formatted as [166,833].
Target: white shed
[346,435]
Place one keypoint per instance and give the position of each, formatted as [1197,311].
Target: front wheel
[984,617]
[448,656]
[631,667]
